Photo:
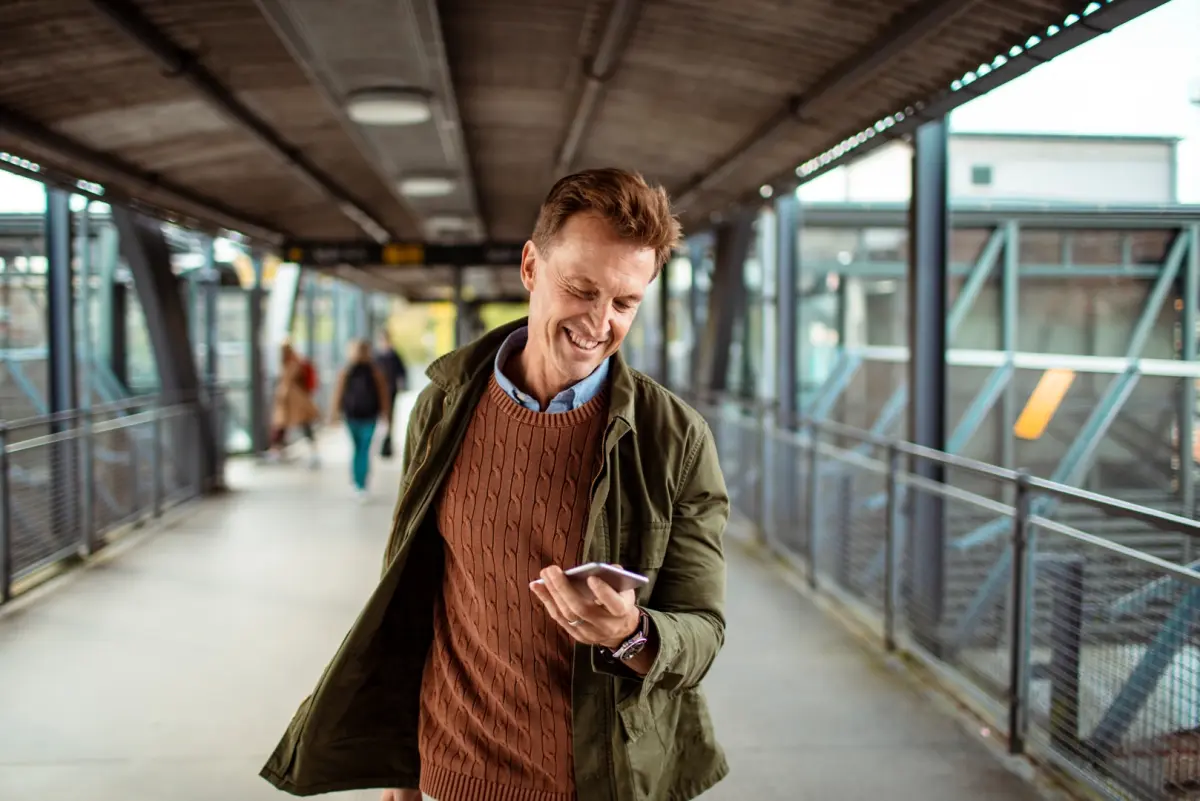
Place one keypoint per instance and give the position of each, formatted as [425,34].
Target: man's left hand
[608,620]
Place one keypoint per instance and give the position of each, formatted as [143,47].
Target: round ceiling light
[400,106]
[426,186]
[447,222]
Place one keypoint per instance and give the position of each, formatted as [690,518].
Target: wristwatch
[636,641]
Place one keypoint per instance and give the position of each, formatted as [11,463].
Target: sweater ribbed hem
[517,412]
[445,785]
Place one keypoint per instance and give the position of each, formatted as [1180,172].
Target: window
[981,175]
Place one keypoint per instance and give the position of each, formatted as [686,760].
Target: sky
[1136,80]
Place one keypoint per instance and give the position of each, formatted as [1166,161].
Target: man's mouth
[581,342]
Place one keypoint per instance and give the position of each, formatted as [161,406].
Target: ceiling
[232,113]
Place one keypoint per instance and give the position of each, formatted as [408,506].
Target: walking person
[396,377]
[361,397]
[293,405]
[534,449]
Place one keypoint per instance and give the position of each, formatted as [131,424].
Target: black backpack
[361,396]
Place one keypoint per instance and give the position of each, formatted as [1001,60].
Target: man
[396,377]
[534,449]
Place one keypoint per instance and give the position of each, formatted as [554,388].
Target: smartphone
[617,578]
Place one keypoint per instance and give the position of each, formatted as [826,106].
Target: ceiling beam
[77,153]
[597,70]
[182,63]
[908,29]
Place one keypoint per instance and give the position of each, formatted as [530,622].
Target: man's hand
[401,795]
[608,620]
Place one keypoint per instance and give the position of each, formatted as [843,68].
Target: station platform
[169,667]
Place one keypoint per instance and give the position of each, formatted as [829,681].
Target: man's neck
[528,371]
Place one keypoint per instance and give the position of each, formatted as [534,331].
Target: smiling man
[534,449]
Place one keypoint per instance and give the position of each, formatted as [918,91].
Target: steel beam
[149,258]
[787,268]
[597,70]
[1028,53]
[186,65]
[726,297]
[63,381]
[141,180]
[258,373]
[908,29]
[1187,400]
[929,245]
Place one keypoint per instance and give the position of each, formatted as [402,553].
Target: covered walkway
[168,667]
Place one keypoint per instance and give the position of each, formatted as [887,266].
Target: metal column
[310,317]
[1187,411]
[664,337]
[258,375]
[787,218]
[725,298]
[86,376]
[929,225]
[461,313]
[63,390]
[149,259]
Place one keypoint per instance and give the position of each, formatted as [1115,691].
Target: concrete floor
[169,670]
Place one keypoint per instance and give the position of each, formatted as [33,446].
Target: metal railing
[68,480]
[1073,632]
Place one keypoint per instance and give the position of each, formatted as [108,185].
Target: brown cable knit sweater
[496,694]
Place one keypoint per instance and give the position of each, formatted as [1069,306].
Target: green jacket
[659,490]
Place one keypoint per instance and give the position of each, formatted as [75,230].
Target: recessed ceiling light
[447,222]
[383,106]
[426,185]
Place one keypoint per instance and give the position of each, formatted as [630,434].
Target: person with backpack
[293,405]
[361,397]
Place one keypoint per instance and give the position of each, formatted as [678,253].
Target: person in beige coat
[293,405]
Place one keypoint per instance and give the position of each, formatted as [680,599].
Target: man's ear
[530,259]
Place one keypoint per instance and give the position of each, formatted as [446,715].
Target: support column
[929,226]
[258,375]
[787,218]
[1009,317]
[1187,402]
[664,319]
[310,316]
[461,313]
[63,387]
[210,285]
[726,298]
[149,258]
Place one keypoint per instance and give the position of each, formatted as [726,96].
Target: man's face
[583,296]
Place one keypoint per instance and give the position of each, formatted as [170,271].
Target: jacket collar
[474,363]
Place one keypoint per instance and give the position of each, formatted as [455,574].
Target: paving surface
[169,670]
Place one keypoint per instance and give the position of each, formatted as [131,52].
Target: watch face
[632,648]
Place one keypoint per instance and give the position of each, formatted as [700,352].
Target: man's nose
[599,316]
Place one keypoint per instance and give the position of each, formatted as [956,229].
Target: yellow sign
[295,255]
[1043,403]
[396,253]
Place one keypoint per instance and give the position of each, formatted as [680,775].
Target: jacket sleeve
[687,607]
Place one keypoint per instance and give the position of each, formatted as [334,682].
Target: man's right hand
[401,795]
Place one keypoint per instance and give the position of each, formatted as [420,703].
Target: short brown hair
[637,211]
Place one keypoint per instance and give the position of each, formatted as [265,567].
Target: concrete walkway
[168,670]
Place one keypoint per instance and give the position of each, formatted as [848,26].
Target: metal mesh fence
[67,480]
[1075,615]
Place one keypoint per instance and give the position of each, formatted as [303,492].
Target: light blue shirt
[570,398]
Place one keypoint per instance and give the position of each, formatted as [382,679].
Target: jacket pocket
[669,742]
[648,727]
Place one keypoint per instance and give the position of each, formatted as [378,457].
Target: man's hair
[637,212]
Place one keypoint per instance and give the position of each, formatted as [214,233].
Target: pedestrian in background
[362,398]
[293,405]
[395,376]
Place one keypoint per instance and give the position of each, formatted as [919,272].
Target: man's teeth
[586,344]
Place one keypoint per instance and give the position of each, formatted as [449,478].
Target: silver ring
[574,622]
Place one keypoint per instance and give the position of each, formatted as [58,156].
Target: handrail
[1163,521]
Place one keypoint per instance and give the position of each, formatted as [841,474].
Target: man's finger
[570,603]
[608,598]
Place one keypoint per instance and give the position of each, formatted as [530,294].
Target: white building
[1013,167]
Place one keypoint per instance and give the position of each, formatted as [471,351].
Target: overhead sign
[401,254]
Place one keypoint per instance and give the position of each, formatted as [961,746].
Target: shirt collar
[570,398]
